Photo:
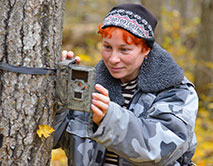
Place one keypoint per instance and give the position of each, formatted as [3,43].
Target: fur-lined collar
[158,72]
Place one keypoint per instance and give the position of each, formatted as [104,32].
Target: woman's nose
[114,58]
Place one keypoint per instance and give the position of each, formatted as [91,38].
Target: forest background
[179,31]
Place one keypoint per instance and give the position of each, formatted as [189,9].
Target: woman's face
[122,60]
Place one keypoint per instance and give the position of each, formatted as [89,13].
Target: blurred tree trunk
[155,7]
[30,35]
[128,1]
[185,10]
[204,70]
[183,6]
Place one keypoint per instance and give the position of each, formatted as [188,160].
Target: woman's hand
[69,55]
[100,103]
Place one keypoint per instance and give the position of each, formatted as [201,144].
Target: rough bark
[204,56]
[30,35]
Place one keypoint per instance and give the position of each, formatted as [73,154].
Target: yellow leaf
[44,130]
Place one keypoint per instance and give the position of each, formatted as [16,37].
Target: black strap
[26,70]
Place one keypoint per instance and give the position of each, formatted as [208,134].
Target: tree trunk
[204,70]
[128,1]
[30,35]
[155,7]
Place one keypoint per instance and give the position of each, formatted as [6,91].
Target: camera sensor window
[81,75]
[78,95]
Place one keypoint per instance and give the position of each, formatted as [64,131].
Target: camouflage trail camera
[75,85]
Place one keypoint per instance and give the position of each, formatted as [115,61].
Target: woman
[144,110]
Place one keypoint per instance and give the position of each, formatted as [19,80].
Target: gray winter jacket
[157,129]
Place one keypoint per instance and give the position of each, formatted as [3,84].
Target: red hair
[107,32]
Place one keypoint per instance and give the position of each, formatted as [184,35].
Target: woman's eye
[125,50]
[107,47]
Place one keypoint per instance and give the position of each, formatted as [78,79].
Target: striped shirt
[128,89]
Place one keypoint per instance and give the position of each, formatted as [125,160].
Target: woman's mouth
[116,69]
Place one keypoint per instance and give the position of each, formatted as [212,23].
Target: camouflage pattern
[157,129]
[75,85]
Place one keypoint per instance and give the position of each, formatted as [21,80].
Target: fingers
[78,59]
[64,55]
[101,98]
[100,103]
[102,90]
[69,55]
[98,115]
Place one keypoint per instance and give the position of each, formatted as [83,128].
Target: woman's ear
[145,51]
